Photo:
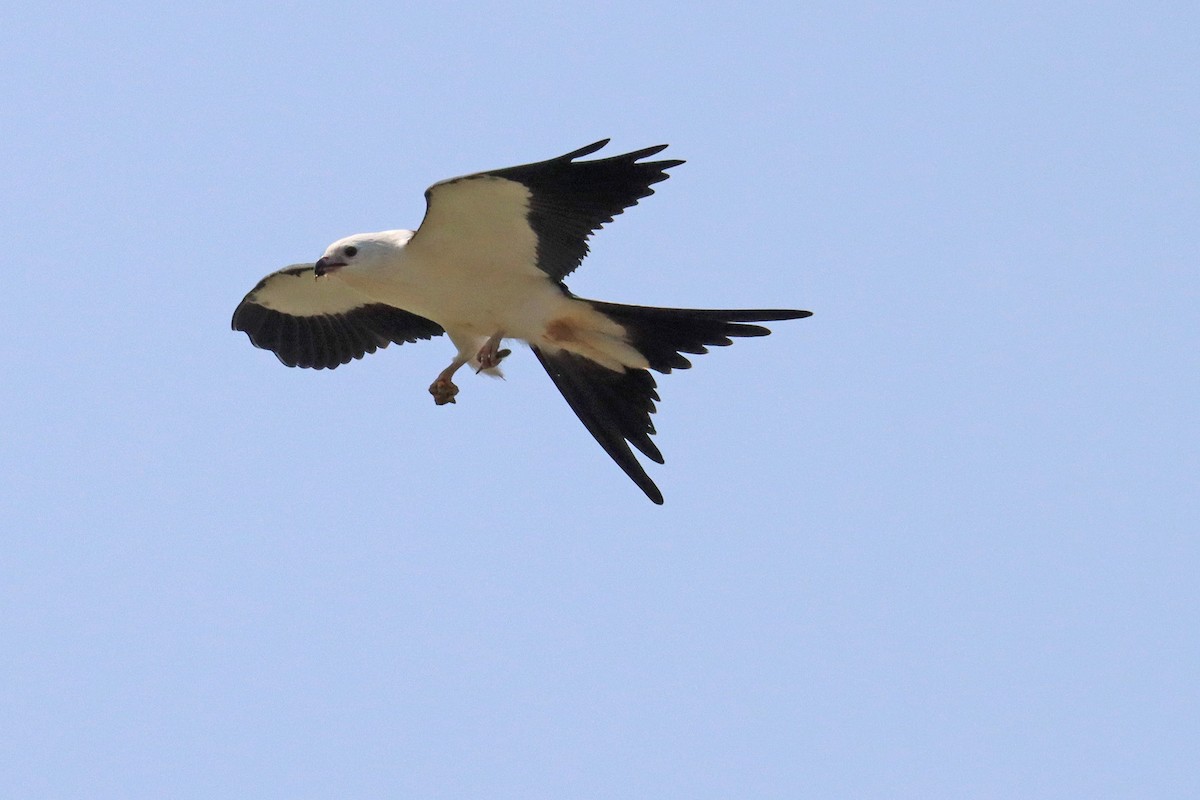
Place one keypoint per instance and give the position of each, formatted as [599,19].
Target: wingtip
[586,150]
[646,152]
[636,155]
[238,322]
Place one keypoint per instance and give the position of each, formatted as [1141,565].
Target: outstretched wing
[541,213]
[321,324]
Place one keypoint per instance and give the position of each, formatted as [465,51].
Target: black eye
[351,251]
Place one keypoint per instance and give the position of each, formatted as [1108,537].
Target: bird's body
[475,294]
[487,265]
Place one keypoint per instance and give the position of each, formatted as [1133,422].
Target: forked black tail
[615,407]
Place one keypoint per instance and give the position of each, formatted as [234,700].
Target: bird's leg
[490,355]
[443,389]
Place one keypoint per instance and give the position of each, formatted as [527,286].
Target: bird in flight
[487,264]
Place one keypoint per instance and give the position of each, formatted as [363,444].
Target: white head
[362,251]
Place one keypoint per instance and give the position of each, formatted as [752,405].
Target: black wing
[309,322]
[561,202]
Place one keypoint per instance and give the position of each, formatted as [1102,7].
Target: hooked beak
[325,264]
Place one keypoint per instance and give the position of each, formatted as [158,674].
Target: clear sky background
[938,540]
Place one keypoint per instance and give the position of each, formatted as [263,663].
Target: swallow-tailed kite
[487,264]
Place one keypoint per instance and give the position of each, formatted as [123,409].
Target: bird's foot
[490,355]
[443,391]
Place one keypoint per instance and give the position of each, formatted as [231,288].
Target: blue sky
[939,540]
